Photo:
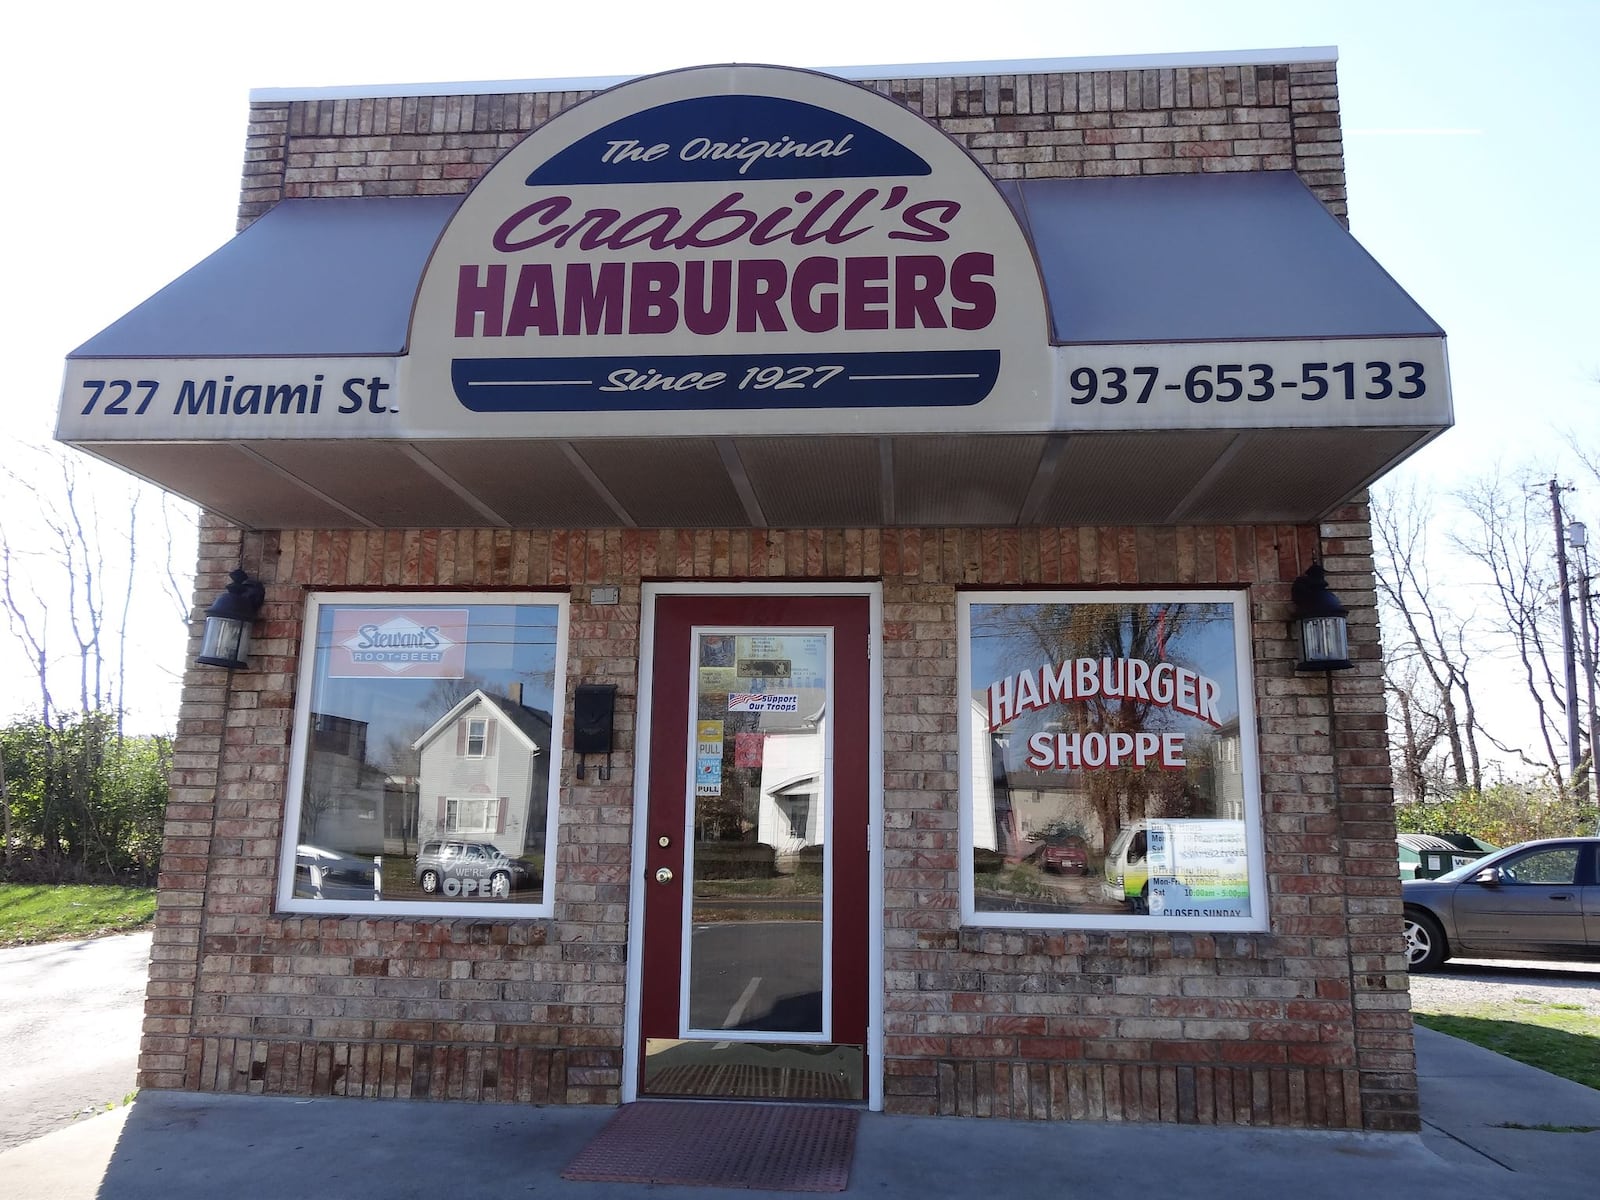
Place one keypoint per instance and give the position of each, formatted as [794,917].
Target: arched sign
[731,250]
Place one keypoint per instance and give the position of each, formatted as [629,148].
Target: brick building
[781,586]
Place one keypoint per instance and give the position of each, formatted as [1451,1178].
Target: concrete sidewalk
[1472,1097]
[186,1146]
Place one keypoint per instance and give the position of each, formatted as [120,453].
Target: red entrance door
[755,869]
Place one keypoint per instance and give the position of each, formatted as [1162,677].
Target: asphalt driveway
[70,1015]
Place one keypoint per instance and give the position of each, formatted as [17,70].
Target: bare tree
[69,563]
[119,705]
[1416,730]
[72,575]
[176,516]
[1586,453]
[1587,606]
[1427,667]
[1507,532]
[28,619]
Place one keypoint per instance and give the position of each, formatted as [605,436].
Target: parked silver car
[1536,900]
[471,869]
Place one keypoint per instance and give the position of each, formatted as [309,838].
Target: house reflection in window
[482,772]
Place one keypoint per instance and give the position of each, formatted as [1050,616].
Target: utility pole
[1580,785]
[1578,535]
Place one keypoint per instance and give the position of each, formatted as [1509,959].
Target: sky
[1469,142]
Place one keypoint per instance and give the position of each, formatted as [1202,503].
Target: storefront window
[1108,772]
[426,755]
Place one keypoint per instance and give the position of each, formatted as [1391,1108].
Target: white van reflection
[1179,867]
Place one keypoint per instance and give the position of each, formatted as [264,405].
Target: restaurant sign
[731,240]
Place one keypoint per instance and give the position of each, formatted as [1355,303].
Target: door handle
[663,874]
[1561,895]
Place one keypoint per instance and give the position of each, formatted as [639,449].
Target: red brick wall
[1047,125]
[1305,1025]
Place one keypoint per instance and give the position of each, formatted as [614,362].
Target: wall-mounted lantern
[1320,623]
[228,620]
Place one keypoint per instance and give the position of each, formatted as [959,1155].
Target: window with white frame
[472,814]
[1108,763]
[426,754]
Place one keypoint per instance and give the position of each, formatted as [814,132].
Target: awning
[1193,290]
[1249,256]
[310,278]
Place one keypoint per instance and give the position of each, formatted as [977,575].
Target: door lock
[663,874]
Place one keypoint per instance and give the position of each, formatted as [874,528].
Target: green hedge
[808,861]
[987,862]
[734,860]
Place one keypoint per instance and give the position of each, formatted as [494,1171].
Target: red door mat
[777,1147]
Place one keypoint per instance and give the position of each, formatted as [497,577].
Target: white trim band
[1017,66]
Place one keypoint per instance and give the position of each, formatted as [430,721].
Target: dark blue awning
[1208,279]
[1179,258]
[310,277]
[1249,256]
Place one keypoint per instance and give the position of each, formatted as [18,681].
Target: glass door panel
[756,933]
[752,985]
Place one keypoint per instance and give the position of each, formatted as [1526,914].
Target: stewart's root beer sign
[395,643]
[733,240]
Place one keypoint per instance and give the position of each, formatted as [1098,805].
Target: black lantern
[1319,620]
[228,620]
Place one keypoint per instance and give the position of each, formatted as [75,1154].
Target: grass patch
[796,897]
[704,915]
[777,886]
[56,912]
[1563,1039]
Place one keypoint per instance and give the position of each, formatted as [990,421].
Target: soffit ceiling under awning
[1133,478]
[1252,257]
